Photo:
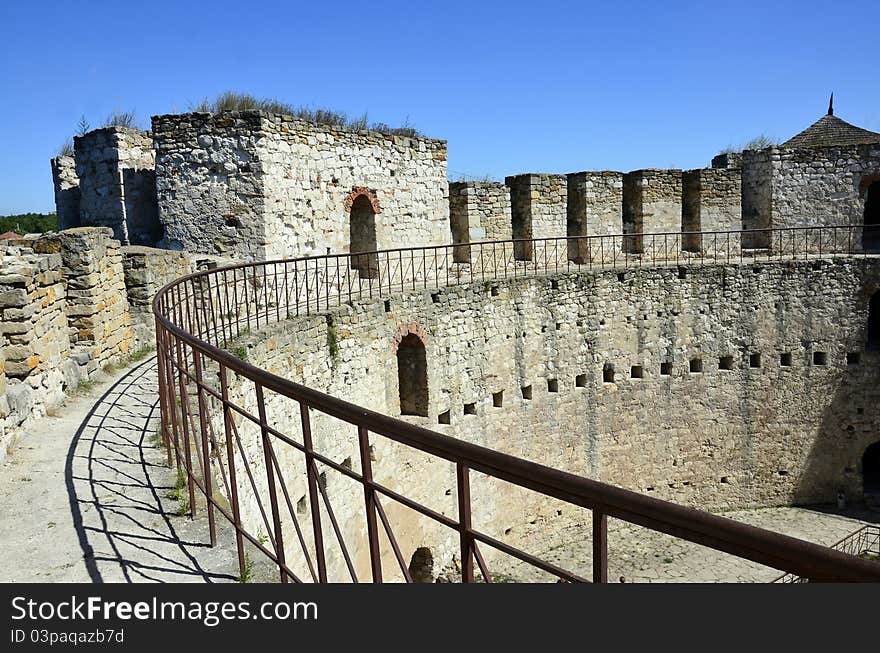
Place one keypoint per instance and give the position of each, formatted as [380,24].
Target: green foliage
[241,352]
[129,359]
[83,126]
[247,574]
[332,340]
[121,119]
[463,176]
[29,223]
[757,143]
[233,101]
[85,386]
[180,493]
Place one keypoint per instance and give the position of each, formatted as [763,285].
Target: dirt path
[84,497]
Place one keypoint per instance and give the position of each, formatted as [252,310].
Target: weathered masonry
[714,386]
[71,303]
[256,185]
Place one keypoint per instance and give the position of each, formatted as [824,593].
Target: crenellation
[712,210]
[595,208]
[478,211]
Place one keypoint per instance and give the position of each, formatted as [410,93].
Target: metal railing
[260,436]
[865,543]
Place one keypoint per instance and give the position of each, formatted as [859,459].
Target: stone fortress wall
[719,387]
[254,185]
[261,186]
[71,303]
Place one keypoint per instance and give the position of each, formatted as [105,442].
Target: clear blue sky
[514,87]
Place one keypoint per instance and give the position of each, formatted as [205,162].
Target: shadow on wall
[849,423]
[141,208]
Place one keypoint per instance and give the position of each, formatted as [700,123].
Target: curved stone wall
[717,387]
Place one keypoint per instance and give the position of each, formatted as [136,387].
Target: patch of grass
[121,119]
[247,574]
[128,359]
[155,439]
[234,101]
[85,386]
[180,493]
[241,352]
[332,342]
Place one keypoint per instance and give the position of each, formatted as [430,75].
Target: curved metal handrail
[179,328]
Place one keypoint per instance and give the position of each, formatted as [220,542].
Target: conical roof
[831,131]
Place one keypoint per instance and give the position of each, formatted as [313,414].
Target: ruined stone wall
[67,194]
[718,387]
[34,346]
[314,172]
[115,166]
[257,185]
[712,201]
[146,270]
[209,183]
[97,310]
[595,208]
[727,160]
[478,210]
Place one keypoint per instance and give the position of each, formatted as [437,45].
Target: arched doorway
[362,237]
[871,233]
[412,376]
[871,474]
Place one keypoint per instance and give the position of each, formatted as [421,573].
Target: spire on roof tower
[831,105]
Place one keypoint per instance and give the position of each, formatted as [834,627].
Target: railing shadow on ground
[207,431]
[116,483]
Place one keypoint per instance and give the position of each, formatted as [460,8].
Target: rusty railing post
[270,481]
[600,547]
[370,504]
[464,523]
[233,483]
[312,477]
